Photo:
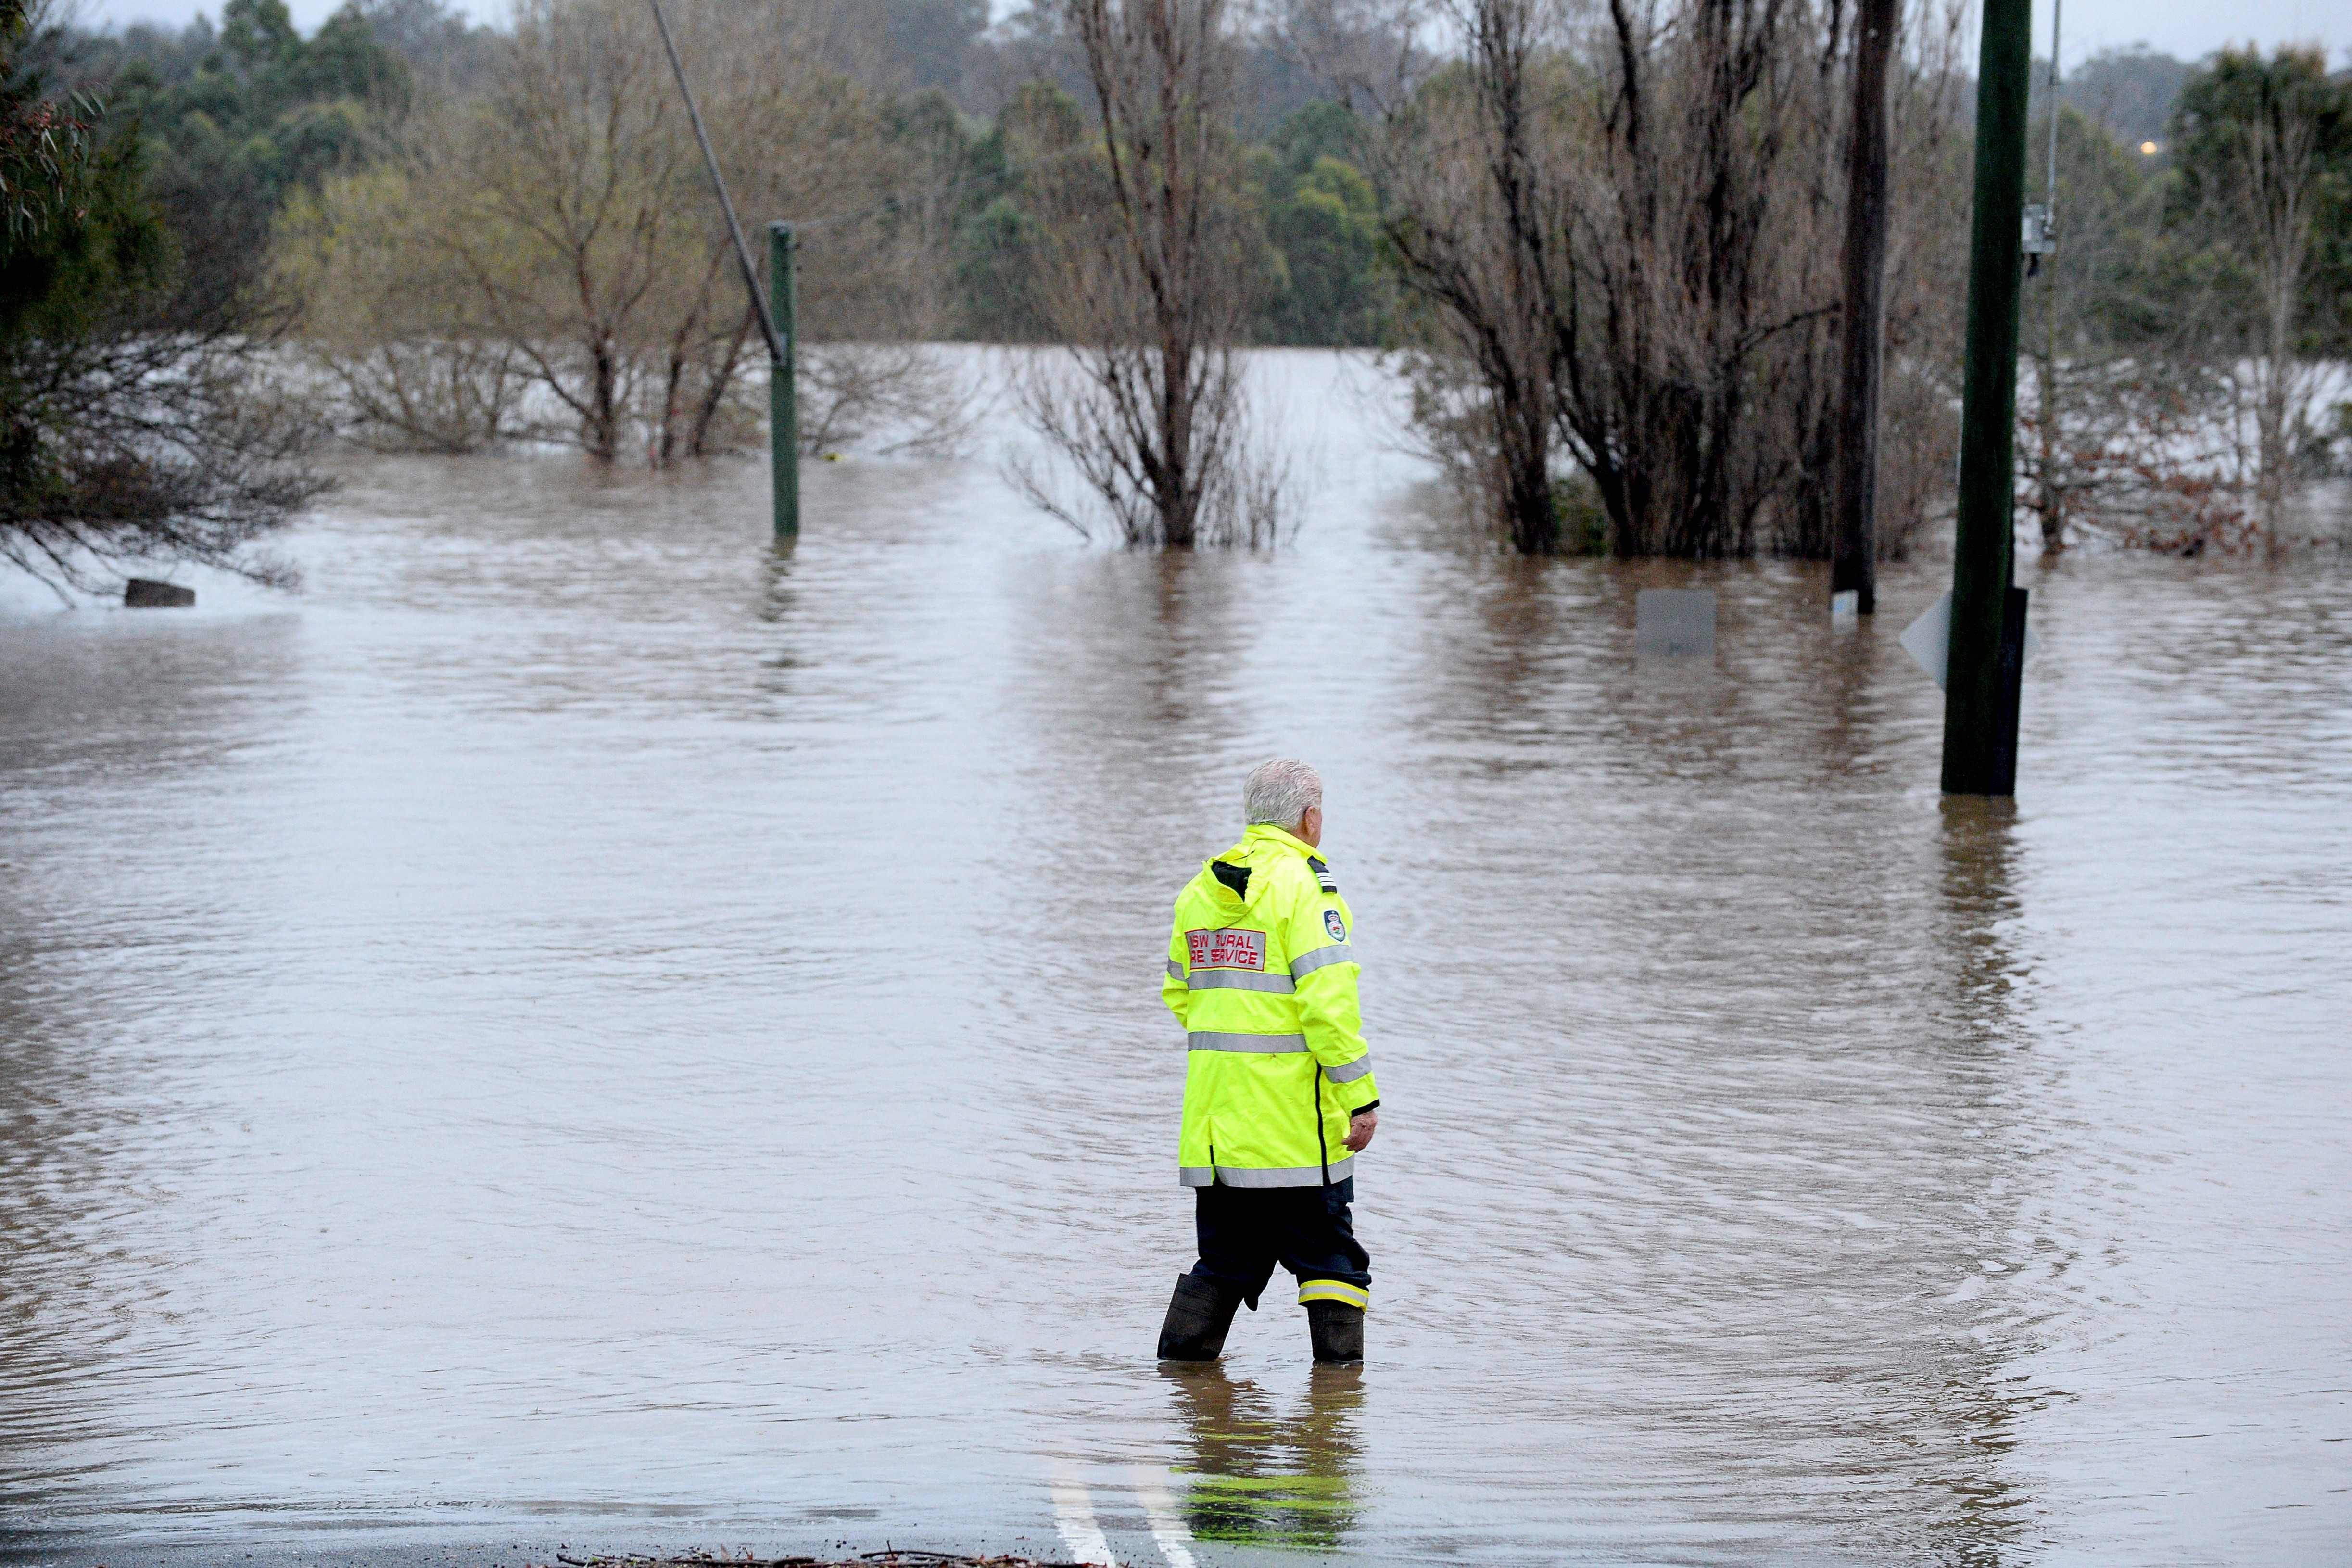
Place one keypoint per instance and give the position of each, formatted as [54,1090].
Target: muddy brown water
[582,1023]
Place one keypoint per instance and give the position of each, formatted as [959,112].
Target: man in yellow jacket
[1278,1092]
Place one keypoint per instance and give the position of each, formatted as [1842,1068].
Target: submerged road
[566,1033]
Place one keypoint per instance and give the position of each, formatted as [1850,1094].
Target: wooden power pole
[1853,566]
[1986,650]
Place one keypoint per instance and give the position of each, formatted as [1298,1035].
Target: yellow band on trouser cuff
[1355,1296]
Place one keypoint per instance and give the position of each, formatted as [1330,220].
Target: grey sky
[2190,28]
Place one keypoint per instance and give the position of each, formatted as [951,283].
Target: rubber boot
[1198,1316]
[1338,1330]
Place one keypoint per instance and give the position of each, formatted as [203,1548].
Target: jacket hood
[1250,862]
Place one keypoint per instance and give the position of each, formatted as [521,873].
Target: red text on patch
[1228,949]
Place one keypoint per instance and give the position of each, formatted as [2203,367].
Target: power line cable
[719,181]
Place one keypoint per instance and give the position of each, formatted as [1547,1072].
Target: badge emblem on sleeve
[1335,925]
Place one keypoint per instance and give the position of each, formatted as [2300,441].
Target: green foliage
[2239,101]
[997,231]
[81,238]
[98,243]
[1322,221]
[1329,233]
[266,110]
[1320,130]
[990,248]
[96,256]
[129,429]
[2147,252]
[44,148]
[1584,519]
[2328,328]
[231,124]
[2105,282]
[2239,92]
[1041,120]
[1319,280]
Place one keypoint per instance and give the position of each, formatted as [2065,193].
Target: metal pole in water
[2050,191]
[2054,500]
[1981,693]
[784,440]
[783,393]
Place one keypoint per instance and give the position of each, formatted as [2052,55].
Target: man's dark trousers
[1245,1231]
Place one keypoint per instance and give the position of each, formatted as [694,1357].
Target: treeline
[1601,250]
[1627,271]
[237,120]
[2187,336]
[472,234]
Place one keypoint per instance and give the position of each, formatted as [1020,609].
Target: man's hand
[1361,1128]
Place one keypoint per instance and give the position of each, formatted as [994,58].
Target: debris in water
[147,594]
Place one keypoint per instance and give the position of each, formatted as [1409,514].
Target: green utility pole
[1982,666]
[784,433]
[783,393]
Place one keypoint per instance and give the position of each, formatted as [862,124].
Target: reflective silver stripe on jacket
[1309,963]
[1241,980]
[1271,1176]
[1175,969]
[1352,1071]
[1211,1040]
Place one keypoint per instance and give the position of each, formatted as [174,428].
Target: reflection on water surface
[1260,1475]
[584,1022]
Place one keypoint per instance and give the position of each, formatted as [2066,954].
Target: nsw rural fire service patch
[1337,927]
[1227,949]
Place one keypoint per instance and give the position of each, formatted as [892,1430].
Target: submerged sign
[1928,639]
[1674,623]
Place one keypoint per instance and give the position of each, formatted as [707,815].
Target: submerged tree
[1479,228]
[548,261]
[1144,273]
[134,423]
[1623,235]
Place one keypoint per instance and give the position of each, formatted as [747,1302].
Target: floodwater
[581,1027]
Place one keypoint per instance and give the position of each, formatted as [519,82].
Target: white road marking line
[1074,1514]
[1167,1531]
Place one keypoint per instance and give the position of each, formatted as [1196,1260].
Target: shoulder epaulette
[1322,874]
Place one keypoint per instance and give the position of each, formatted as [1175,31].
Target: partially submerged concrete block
[1674,623]
[147,594]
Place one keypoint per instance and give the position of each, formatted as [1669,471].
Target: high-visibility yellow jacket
[1261,975]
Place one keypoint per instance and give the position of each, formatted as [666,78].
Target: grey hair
[1281,792]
